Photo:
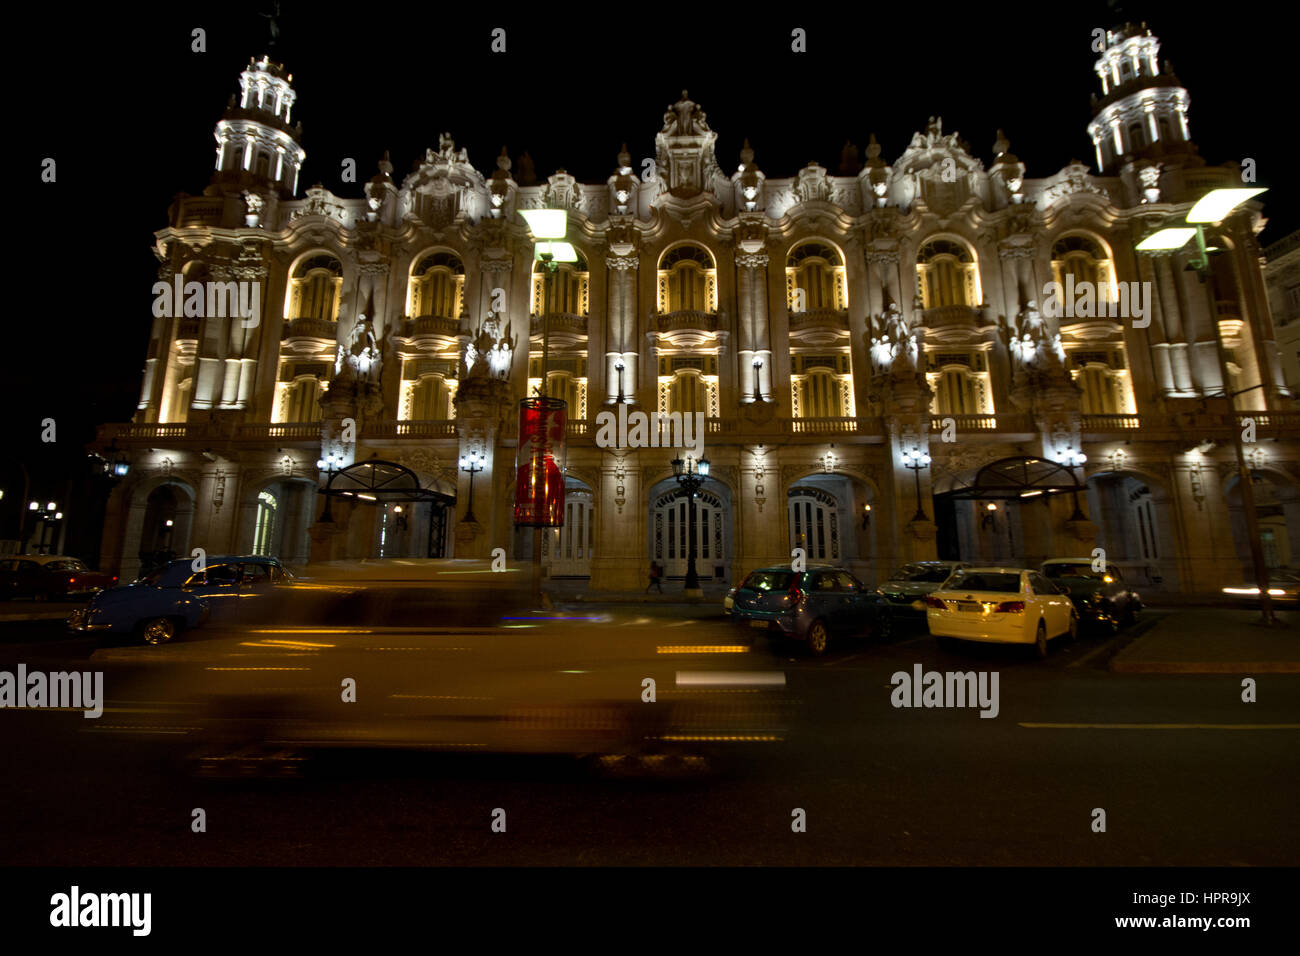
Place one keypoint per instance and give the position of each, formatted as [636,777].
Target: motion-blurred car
[46,577]
[1000,606]
[1283,588]
[811,606]
[175,597]
[907,587]
[1100,597]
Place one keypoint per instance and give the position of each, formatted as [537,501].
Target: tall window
[314,289]
[264,535]
[1082,258]
[570,289]
[438,286]
[814,523]
[960,383]
[945,275]
[817,270]
[303,401]
[687,280]
[430,399]
[688,393]
[821,396]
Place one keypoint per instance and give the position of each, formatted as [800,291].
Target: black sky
[128,111]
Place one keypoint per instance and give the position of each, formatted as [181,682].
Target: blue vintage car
[175,597]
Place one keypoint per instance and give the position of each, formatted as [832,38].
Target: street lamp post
[1073,459]
[472,463]
[330,465]
[618,367]
[758,388]
[1214,207]
[690,476]
[45,520]
[915,459]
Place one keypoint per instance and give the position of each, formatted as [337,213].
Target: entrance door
[815,524]
[670,545]
[569,547]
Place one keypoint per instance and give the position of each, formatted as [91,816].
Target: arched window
[570,388]
[819,396]
[687,280]
[264,533]
[945,275]
[570,289]
[314,289]
[1082,258]
[817,270]
[263,166]
[438,286]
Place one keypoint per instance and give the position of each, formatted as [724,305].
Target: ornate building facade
[878,370]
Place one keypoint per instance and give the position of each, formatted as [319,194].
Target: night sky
[127,110]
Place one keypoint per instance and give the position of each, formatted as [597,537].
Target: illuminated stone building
[832,328]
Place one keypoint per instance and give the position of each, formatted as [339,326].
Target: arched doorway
[669,526]
[385,513]
[829,516]
[1277,512]
[567,551]
[276,518]
[1135,527]
[165,529]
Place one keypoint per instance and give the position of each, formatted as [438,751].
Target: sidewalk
[1214,641]
[25,611]
[671,595]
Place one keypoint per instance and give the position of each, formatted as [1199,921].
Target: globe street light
[1212,208]
[1073,459]
[330,464]
[916,459]
[690,474]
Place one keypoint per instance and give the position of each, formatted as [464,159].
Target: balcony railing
[1105,423]
[691,319]
[998,422]
[299,430]
[431,325]
[153,430]
[830,426]
[951,315]
[436,428]
[837,319]
[307,328]
[560,322]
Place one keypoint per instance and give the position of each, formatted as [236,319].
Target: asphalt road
[1186,773]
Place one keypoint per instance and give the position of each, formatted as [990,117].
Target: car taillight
[796,595]
[936,603]
[72,580]
[115,579]
[1010,607]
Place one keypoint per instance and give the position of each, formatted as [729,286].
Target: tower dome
[1141,110]
[256,146]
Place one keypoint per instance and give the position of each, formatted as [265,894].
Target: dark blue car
[812,606]
[175,597]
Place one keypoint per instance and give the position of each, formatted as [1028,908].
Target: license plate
[969,607]
[762,624]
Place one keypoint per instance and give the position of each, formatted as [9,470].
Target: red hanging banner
[539,480]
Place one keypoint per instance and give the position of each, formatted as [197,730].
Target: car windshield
[1081,570]
[151,577]
[1003,582]
[769,581]
[924,573]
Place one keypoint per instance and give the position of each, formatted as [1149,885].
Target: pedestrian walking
[656,574]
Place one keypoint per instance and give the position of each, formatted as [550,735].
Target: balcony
[1002,422]
[832,426]
[1109,423]
[291,430]
[687,320]
[431,326]
[305,328]
[128,431]
[435,428]
[564,323]
[952,317]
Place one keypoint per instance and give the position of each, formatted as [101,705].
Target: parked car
[46,577]
[907,587]
[175,597]
[811,606]
[1283,588]
[1001,606]
[1100,597]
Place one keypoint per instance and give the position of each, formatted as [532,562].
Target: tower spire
[256,146]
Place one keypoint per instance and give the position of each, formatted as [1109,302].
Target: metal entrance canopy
[1016,479]
[377,480]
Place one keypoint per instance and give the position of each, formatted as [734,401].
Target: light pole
[330,464]
[45,520]
[915,459]
[690,475]
[758,388]
[1214,207]
[1073,459]
[472,463]
[618,367]
[548,227]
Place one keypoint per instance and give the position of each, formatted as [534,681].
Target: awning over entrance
[1013,479]
[378,480]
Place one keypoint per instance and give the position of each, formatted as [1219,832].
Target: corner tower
[256,146]
[1142,112]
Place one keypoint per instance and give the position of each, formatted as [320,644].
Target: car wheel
[1040,641]
[158,630]
[818,638]
[882,627]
